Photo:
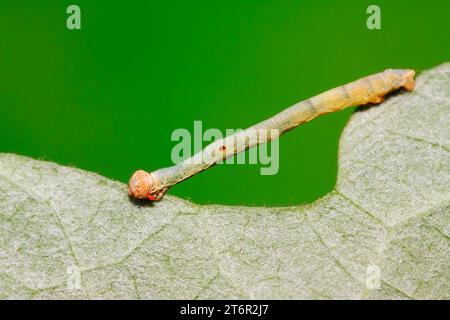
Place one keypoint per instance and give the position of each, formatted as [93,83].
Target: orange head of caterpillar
[144,185]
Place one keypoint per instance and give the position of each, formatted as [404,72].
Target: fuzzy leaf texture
[383,233]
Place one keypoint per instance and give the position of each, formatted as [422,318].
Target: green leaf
[388,219]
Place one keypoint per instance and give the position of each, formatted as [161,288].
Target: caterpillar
[367,90]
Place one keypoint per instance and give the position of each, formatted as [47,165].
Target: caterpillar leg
[377,99]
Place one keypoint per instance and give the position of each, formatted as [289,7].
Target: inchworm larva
[366,90]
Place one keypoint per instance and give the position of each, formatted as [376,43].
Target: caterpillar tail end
[144,185]
[409,79]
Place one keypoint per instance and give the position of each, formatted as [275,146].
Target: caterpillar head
[144,185]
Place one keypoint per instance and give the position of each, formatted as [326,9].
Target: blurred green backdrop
[106,98]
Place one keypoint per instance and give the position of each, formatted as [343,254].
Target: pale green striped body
[366,90]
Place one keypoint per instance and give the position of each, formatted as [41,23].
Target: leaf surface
[388,219]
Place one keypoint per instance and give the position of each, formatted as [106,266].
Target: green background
[106,98]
